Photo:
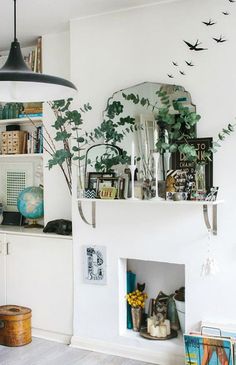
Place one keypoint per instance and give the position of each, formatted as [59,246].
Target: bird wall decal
[190,64]
[197,46]
[194,47]
[209,23]
[220,40]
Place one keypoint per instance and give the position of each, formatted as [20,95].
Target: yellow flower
[136,299]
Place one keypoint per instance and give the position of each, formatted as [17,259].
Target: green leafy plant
[227,131]
[180,126]
[173,117]
[70,141]
[68,123]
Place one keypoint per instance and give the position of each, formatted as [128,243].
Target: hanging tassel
[210,266]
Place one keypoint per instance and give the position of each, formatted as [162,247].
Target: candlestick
[132,154]
[132,170]
[156,156]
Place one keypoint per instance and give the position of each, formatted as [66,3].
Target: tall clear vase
[200,178]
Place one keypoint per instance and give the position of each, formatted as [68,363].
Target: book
[39,53]
[35,59]
[208,350]
[30,115]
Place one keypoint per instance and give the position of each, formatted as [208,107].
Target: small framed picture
[212,196]
[93,176]
[95,265]
[111,182]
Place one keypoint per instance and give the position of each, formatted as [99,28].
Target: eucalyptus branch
[44,138]
[226,131]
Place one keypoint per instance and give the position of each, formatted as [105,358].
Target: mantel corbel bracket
[211,227]
[80,208]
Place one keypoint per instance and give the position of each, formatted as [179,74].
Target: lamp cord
[15,39]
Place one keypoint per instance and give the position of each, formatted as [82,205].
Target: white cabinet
[2,269]
[39,275]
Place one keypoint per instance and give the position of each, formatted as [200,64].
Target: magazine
[208,350]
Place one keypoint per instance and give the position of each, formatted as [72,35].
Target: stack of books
[35,141]
[32,110]
[34,58]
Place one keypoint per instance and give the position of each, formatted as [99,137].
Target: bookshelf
[24,166]
[32,56]
[21,156]
[21,136]
[24,122]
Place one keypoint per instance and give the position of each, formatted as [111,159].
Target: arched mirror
[151,114]
[141,121]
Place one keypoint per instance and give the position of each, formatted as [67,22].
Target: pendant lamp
[19,84]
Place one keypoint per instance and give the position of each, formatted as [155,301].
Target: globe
[30,202]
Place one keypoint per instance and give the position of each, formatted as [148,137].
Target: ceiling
[38,17]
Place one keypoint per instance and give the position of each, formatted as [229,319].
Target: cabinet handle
[8,252]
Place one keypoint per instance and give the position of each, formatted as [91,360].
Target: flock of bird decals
[197,46]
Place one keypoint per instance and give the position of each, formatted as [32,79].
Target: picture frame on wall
[94,265]
[201,145]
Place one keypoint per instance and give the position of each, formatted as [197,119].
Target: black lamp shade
[19,84]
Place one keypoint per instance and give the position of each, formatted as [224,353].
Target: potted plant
[72,141]
[136,300]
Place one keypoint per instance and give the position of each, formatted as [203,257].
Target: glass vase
[200,177]
[136,318]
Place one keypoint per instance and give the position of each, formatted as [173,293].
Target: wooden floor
[42,352]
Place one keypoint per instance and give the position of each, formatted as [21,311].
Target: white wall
[56,61]
[117,50]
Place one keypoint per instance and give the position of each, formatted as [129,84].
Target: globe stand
[34,224]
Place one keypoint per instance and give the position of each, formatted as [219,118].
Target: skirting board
[52,336]
[135,353]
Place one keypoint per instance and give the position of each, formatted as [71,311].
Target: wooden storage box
[14,142]
[15,325]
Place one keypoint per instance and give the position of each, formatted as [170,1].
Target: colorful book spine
[30,115]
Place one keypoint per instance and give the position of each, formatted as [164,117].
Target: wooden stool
[15,325]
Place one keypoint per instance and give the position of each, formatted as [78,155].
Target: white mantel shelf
[212,227]
[153,201]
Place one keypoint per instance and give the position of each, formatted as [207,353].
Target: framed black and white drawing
[95,265]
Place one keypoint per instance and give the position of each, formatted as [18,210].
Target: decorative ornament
[210,266]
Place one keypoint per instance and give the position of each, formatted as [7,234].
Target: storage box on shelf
[14,142]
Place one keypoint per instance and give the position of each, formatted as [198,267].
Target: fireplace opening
[163,315]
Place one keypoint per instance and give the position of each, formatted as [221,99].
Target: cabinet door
[39,276]
[3,240]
